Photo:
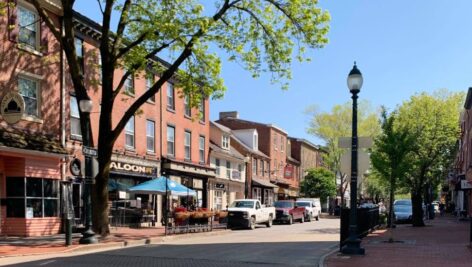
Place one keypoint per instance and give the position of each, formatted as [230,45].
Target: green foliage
[319,182]
[330,126]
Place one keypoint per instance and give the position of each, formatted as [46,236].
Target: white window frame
[256,193]
[29,8]
[225,141]
[129,85]
[188,145]
[149,84]
[170,96]
[218,200]
[201,110]
[218,166]
[150,136]
[201,149]
[228,169]
[37,99]
[171,140]
[254,166]
[75,117]
[130,131]
[187,107]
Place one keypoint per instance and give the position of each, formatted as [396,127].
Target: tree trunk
[100,194]
[391,218]
[417,204]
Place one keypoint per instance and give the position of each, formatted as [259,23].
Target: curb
[334,249]
[123,244]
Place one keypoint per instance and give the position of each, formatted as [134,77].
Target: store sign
[12,107]
[220,186]
[288,172]
[466,185]
[134,168]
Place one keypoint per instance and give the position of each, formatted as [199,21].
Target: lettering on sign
[288,172]
[120,166]
[220,186]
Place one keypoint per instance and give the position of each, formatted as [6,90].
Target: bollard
[68,231]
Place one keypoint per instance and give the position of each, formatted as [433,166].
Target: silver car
[403,213]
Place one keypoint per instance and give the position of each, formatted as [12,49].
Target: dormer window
[225,142]
[256,146]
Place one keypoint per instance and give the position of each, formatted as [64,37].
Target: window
[218,200]
[188,109]
[201,149]
[187,142]
[99,65]
[228,169]
[129,133]
[150,134]
[170,141]
[201,110]
[29,90]
[254,167]
[74,118]
[129,85]
[170,96]
[28,27]
[262,168]
[256,193]
[256,146]
[149,84]
[79,51]
[225,142]
[35,197]
[217,163]
[282,140]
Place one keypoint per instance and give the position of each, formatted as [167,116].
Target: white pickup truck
[312,208]
[248,213]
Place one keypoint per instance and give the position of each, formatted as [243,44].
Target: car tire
[269,222]
[318,217]
[302,219]
[252,223]
[290,220]
[310,217]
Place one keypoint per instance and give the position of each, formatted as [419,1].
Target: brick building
[308,154]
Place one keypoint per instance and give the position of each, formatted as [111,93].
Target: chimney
[229,114]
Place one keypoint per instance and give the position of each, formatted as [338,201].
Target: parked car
[403,213]
[311,210]
[287,211]
[407,202]
[249,212]
[316,203]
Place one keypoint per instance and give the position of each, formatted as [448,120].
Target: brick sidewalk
[443,242]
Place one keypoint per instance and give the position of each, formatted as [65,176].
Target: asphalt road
[281,245]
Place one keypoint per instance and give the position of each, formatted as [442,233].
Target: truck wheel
[290,220]
[269,222]
[302,219]
[318,217]
[310,217]
[252,223]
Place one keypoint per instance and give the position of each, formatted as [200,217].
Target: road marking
[46,262]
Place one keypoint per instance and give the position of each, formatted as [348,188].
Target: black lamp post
[353,243]
[88,236]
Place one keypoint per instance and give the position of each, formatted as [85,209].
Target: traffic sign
[89,151]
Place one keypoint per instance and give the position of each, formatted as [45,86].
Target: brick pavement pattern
[444,242]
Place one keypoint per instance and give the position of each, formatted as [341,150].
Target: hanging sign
[12,107]
[288,172]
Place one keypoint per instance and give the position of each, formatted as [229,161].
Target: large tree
[261,35]
[433,120]
[390,153]
[319,182]
[330,126]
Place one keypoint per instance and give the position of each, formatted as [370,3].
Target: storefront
[264,191]
[223,192]
[30,176]
[129,208]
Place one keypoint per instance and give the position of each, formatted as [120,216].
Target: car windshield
[402,208]
[303,204]
[242,204]
[283,204]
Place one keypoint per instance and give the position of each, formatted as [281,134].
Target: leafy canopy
[319,182]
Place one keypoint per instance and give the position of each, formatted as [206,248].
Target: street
[281,245]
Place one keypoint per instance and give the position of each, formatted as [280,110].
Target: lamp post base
[88,237]
[353,247]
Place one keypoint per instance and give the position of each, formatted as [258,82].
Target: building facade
[230,165]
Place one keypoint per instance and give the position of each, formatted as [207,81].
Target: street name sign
[88,151]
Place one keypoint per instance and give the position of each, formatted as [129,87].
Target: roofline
[258,123]
[302,140]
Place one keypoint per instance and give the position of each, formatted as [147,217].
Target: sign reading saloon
[12,107]
[132,168]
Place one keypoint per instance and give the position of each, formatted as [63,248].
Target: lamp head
[86,105]
[354,80]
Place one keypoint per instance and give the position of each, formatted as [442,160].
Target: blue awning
[158,186]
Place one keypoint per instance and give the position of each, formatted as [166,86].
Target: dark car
[286,211]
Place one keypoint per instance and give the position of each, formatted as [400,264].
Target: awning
[263,183]
[158,186]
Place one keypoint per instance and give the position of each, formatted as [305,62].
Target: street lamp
[88,236]
[353,243]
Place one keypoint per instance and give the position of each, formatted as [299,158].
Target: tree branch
[121,27]
[45,17]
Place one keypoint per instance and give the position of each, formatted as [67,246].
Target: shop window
[35,197]
[28,88]
[256,194]
[75,131]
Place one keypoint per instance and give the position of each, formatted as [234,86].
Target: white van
[315,209]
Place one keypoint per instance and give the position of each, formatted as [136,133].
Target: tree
[433,120]
[319,182]
[262,35]
[390,153]
[330,126]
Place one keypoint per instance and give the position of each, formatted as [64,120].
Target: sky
[402,47]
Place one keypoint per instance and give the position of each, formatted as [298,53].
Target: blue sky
[401,47]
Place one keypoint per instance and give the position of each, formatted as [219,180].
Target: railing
[367,220]
[191,222]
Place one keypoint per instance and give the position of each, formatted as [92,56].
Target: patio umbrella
[158,186]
